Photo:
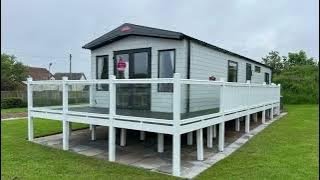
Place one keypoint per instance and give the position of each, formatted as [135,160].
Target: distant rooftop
[38,73]
[72,76]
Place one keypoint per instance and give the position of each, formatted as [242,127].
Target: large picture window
[232,71]
[166,68]
[102,71]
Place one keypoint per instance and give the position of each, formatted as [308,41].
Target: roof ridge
[152,28]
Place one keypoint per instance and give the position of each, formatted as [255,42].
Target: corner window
[257,69]
[102,71]
[267,78]
[232,71]
[166,68]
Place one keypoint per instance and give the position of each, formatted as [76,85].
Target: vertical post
[190,138]
[237,124]
[221,136]
[255,117]
[30,106]
[200,144]
[91,95]
[271,113]
[209,136]
[221,125]
[176,160]
[263,118]
[123,136]
[142,135]
[160,142]
[70,57]
[65,123]
[214,131]
[112,112]
[93,133]
[247,123]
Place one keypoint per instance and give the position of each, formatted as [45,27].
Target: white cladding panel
[160,101]
[206,62]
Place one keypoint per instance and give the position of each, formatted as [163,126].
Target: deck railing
[228,97]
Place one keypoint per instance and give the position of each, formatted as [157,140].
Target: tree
[12,72]
[299,58]
[275,61]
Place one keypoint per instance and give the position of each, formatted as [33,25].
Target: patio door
[138,65]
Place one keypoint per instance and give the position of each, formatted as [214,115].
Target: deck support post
[237,124]
[255,117]
[65,122]
[112,112]
[142,135]
[263,118]
[160,142]
[247,123]
[90,127]
[200,144]
[93,133]
[271,113]
[209,136]
[112,143]
[190,138]
[176,152]
[30,105]
[221,136]
[123,137]
[214,131]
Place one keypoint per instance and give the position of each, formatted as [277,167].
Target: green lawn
[22,159]
[287,149]
[14,110]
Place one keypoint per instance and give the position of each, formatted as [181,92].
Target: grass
[14,110]
[287,149]
[24,160]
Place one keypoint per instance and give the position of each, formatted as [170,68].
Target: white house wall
[206,62]
[160,101]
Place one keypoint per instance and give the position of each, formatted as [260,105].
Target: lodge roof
[128,29]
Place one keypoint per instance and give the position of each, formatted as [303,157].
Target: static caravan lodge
[153,80]
[156,53]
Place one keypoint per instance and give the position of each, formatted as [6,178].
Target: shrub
[299,84]
[12,103]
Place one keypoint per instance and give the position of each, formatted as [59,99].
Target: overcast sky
[39,32]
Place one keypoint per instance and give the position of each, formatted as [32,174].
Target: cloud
[54,28]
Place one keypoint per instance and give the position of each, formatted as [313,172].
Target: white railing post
[263,118]
[91,89]
[65,123]
[222,109]
[176,159]
[30,106]
[112,113]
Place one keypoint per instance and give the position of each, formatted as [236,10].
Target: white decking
[236,100]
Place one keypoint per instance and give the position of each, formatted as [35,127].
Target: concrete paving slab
[144,153]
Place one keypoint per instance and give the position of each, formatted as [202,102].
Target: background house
[38,73]
[72,76]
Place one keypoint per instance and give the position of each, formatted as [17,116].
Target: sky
[40,32]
